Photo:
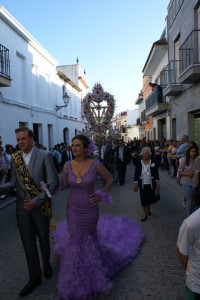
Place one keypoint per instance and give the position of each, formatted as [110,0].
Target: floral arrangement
[98,137]
[97,114]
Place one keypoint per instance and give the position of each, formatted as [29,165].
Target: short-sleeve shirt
[189,245]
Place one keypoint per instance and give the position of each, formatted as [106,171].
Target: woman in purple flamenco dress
[91,248]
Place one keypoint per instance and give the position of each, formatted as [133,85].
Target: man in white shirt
[30,166]
[188,251]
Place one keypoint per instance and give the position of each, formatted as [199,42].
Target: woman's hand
[94,199]
[135,187]
[157,186]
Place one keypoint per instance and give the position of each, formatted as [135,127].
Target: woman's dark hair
[192,143]
[187,154]
[85,140]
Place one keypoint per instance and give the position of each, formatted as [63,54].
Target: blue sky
[111,38]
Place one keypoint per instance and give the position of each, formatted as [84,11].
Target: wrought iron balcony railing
[190,51]
[143,117]
[155,97]
[171,73]
[4,62]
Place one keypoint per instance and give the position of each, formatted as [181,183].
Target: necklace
[78,177]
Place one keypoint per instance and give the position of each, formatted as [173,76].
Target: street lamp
[66,101]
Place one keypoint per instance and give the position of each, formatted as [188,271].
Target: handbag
[156,197]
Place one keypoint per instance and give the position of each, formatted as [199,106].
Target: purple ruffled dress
[91,249]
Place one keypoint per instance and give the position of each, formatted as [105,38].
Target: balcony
[190,59]
[156,103]
[170,79]
[143,117]
[138,122]
[139,98]
[5,79]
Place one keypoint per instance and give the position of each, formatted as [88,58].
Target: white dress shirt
[27,156]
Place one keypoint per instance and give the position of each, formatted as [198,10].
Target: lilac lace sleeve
[105,197]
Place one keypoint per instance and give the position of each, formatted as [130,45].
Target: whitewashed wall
[35,89]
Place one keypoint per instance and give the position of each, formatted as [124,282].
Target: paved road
[154,274]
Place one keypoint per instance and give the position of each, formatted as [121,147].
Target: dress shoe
[30,286]
[48,272]
[144,219]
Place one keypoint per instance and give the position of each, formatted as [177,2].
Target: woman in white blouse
[146,179]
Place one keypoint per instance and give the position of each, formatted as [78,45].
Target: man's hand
[29,205]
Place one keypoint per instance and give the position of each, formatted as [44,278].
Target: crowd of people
[86,241]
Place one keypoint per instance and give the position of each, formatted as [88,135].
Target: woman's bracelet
[104,197]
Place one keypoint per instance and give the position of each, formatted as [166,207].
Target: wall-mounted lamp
[66,101]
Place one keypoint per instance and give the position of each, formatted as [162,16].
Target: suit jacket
[126,154]
[154,173]
[107,160]
[65,157]
[41,167]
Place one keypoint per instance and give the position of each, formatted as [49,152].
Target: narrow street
[154,274]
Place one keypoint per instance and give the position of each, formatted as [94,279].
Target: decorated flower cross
[98,107]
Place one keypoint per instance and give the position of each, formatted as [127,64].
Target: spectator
[188,251]
[157,153]
[196,180]
[169,156]
[3,170]
[164,161]
[66,154]
[174,159]
[186,172]
[57,157]
[8,156]
[105,155]
[122,158]
[182,147]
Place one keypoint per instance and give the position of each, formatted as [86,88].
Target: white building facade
[32,86]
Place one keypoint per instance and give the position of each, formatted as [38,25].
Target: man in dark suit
[30,167]
[66,155]
[123,158]
[105,155]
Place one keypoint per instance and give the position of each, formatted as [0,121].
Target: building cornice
[23,33]
[68,80]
